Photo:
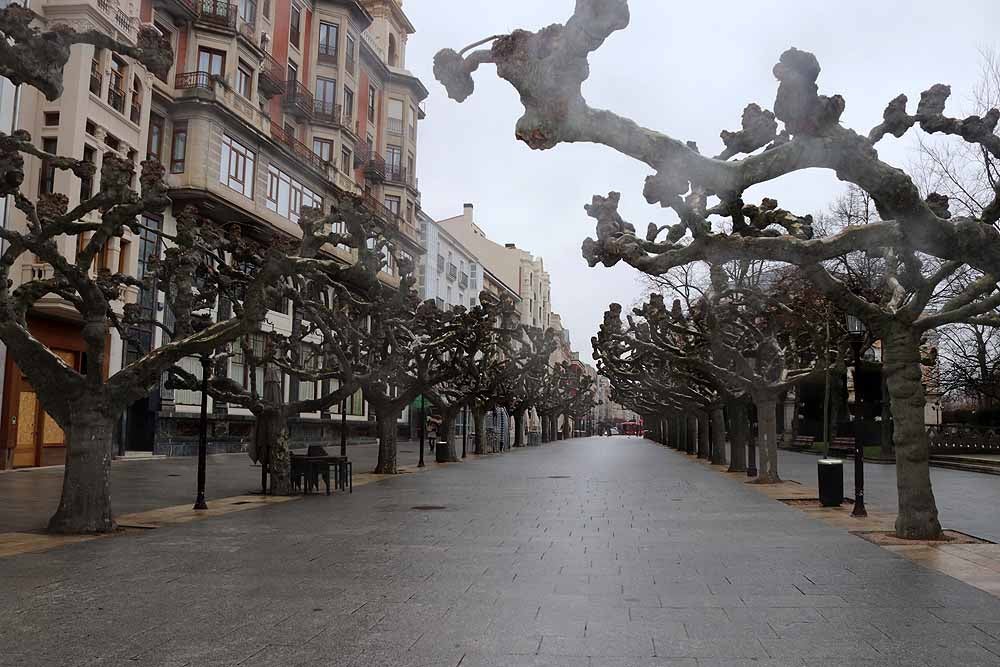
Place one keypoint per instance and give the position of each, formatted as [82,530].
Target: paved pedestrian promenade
[602,552]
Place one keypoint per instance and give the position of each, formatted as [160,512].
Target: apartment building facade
[269,106]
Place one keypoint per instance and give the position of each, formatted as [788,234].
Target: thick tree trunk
[445,451]
[918,515]
[691,434]
[387,419]
[519,428]
[738,436]
[718,437]
[85,506]
[279,464]
[479,440]
[703,438]
[767,440]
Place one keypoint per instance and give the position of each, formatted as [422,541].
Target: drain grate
[428,508]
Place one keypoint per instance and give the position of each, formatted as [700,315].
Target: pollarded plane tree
[331,294]
[477,362]
[525,374]
[653,378]
[548,68]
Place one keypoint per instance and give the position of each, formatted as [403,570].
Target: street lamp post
[423,427]
[343,428]
[856,336]
[199,503]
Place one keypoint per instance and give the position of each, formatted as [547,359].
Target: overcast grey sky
[684,68]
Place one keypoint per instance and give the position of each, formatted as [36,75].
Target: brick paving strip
[976,564]
[16,543]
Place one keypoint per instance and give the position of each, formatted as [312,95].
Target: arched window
[393,51]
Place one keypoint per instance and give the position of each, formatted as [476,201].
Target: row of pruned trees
[353,328]
[936,269]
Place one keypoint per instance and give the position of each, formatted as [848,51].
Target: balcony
[297,148]
[271,81]
[395,126]
[463,281]
[297,100]
[371,163]
[192,80]
[217,14]
[452,272]
[440,264]
[124,23]
[328,113]
[395,173]
[327,53]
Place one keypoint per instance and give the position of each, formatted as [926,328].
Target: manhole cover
[428,508]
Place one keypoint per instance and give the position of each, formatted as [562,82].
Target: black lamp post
[856,337]
[423,427]
[343,428]
[199,503]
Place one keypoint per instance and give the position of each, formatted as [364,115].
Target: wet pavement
[596,552]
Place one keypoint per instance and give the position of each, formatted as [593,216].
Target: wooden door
[39,440]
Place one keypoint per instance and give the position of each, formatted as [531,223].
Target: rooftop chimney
[467,212]
[510,245]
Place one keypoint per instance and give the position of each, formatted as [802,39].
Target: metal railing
[218,12]
[298,148]
[328,53]
[272,76]
[371,162]
[452,272]
[327,112]
[463,280]
[189,80]
[125,23]
[395,126]
[395,173]
[297,99]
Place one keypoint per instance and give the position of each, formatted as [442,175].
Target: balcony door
[212,61]
[326,95]
[394,160]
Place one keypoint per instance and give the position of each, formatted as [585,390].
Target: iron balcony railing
[327,112]
[395,126]
[297,99]
[371,162]
[452,272]
[189,80]
[272,77]
[218,12]
[395,173]
[463,281]
[328,53]
[298,148]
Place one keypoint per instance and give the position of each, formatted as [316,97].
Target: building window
[392,203]
[413,123]
[371,103]
[154,143]
[135,109]
[244,79]
[345,160]
[87,182]
[326,97]
[116,88]
[96,75]
[394,162]
[350,53]
[310,362]
[51,118]
[328,39]
[348,103]
[293,28]
[286,196]
[47,176]
[237,166]
[409,212]
[265,10]
[178,148]
[395,124]
[211,61]
[324,149]
[242,366]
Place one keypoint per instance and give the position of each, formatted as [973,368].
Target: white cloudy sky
[684,68]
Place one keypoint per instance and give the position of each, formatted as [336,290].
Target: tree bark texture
[479,440]
[85,506]
[387,418]
[280,461]
[704,444]
[740,426]
[918,515]
[767,440]
[718,436]
[445,451]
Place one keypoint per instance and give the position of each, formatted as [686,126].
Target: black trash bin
[831,482]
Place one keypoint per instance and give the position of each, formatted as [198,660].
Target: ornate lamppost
[856,337]
[199,503]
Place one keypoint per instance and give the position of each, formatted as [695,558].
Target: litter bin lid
[830,462]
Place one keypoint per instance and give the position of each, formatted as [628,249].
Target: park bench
[307,470]
[842,446]
[802,442]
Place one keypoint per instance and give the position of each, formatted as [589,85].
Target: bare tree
[548,68]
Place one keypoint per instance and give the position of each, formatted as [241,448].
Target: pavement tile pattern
[599,552]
